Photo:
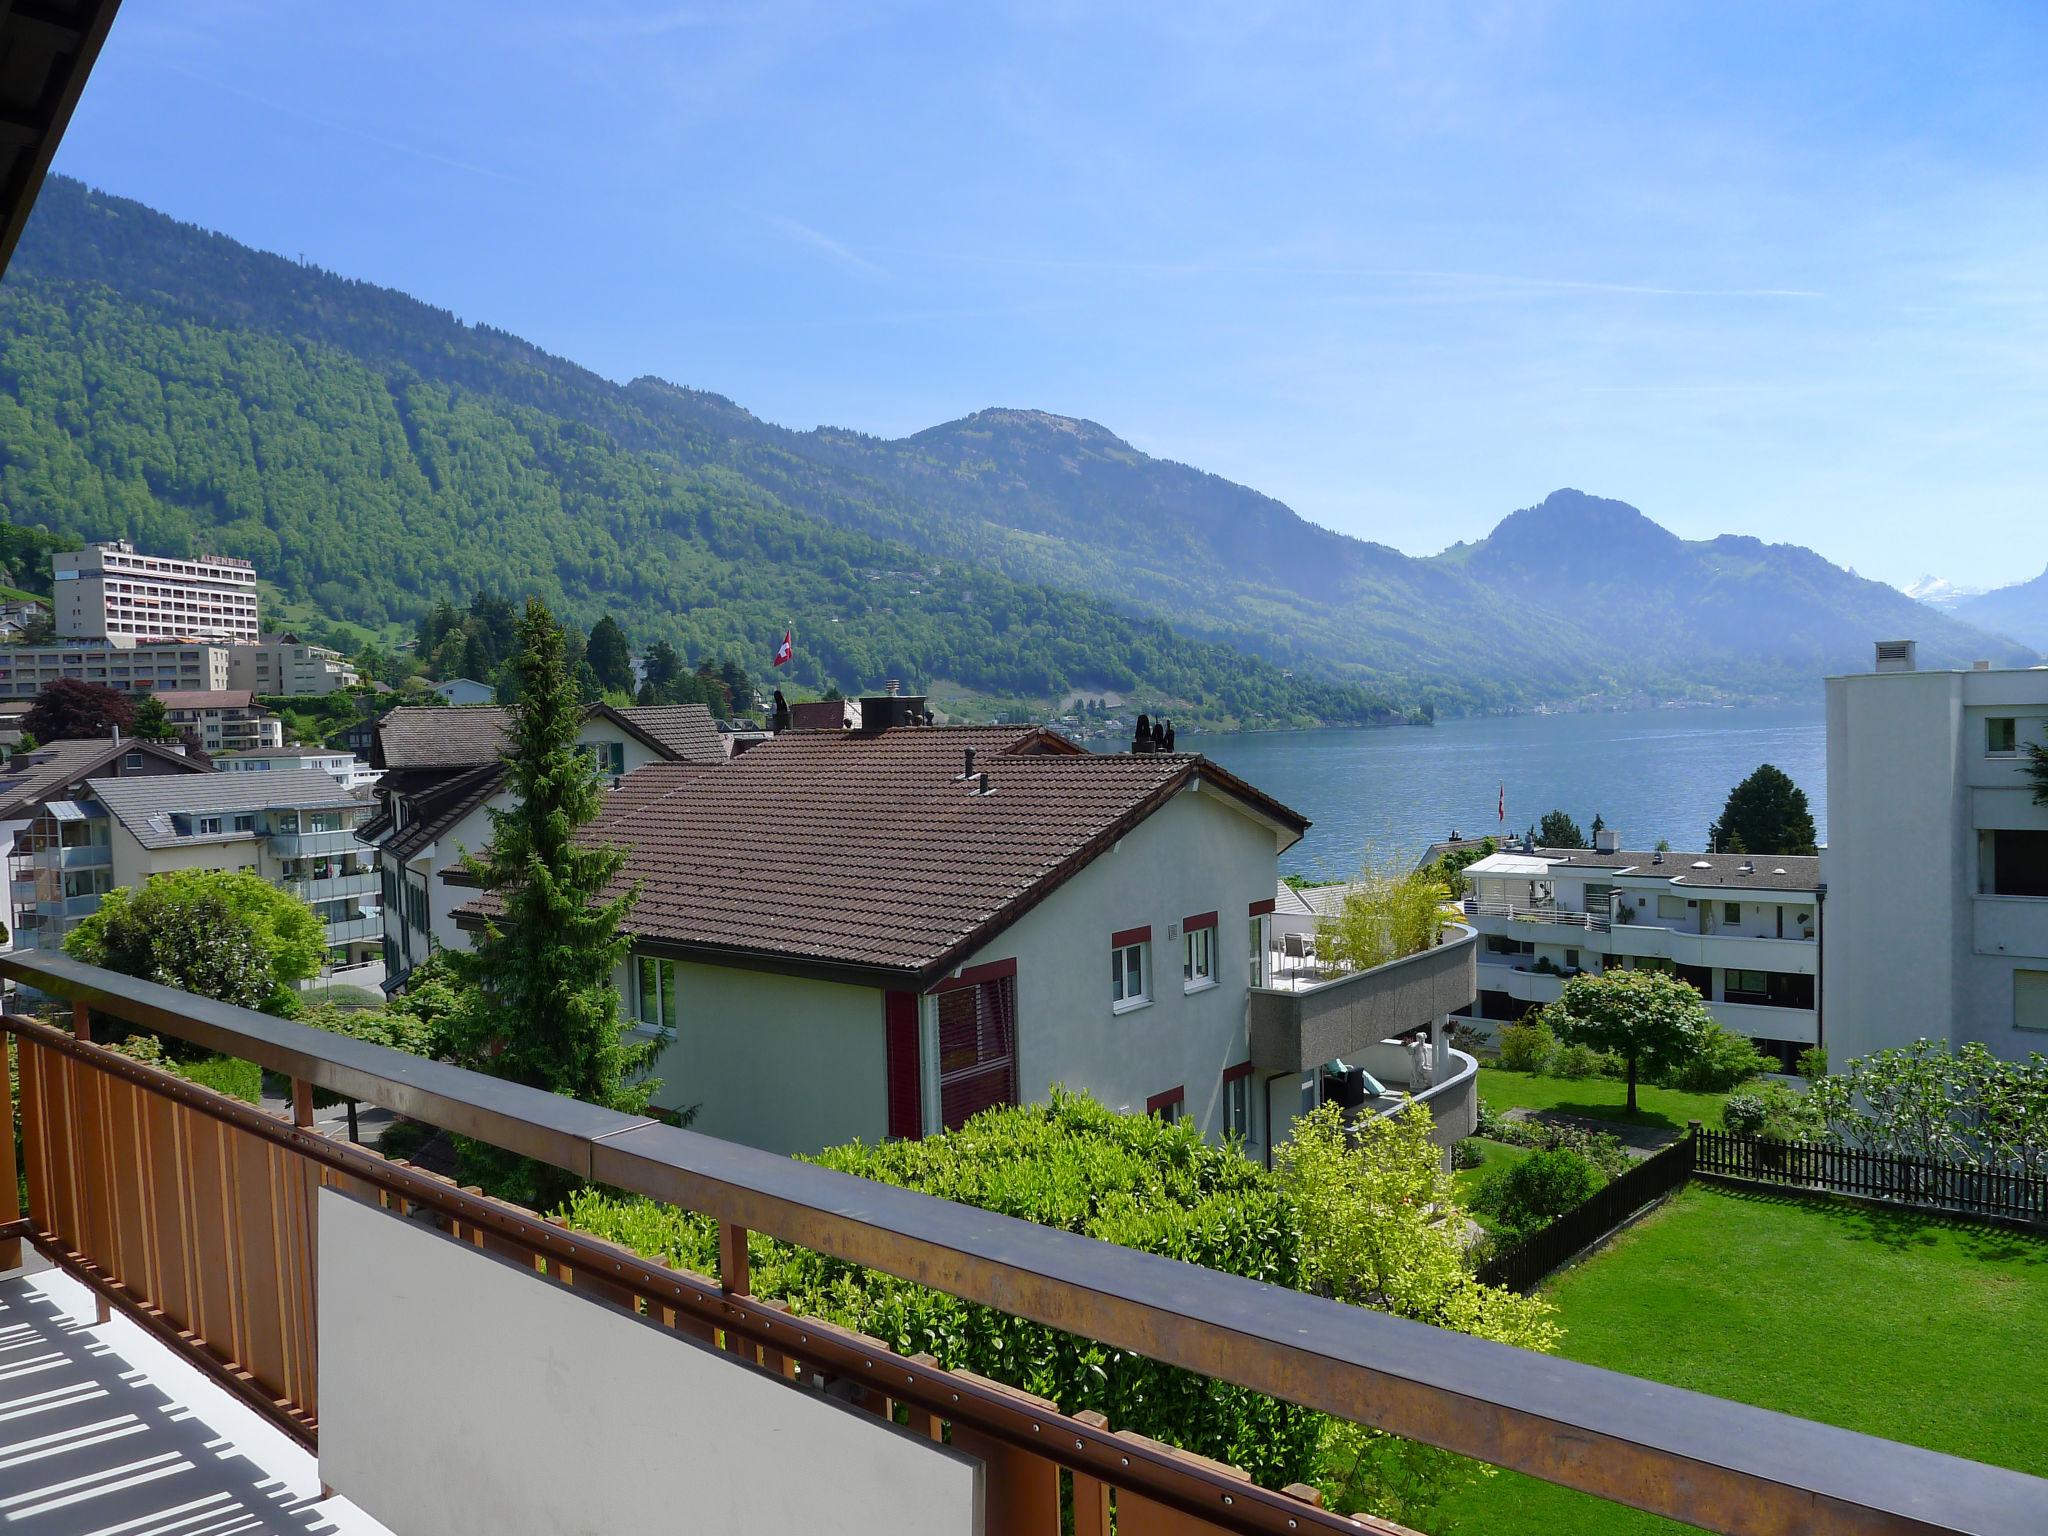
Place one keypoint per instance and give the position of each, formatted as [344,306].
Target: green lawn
[1599,1098]
[1497,1153]
[1907,1327]
[226,1074]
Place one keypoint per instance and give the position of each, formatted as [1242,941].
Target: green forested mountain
[373,454]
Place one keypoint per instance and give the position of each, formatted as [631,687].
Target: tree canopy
[1651,1019]
[153,722]
[71,709]
[1765,813]
[1558,830]
[228,935]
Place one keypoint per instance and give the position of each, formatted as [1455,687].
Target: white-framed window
[2001,735]
[2030,1000]
[209,825]
[654,999]
[1129,983]
[1258,958]
[1198,960]
[610,757]
[1237,1106]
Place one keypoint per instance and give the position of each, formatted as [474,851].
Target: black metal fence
[1873,1176]
[1523,1265]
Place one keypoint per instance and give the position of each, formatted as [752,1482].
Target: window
[246,822]
[132,761]
[655,1003]
[977,1047]
[1168,1106]
[1671,906]
[209,826]
[1731,911]
[2030,1000]
[1237,1101]
[1571,959]
[1127,965]
[2012,863]
[1258,960]
[610,756]
[2001,735]
[1198,960]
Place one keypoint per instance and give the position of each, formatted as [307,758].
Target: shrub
[1577,1061]
[1723,1059]
[1527,1196]
[1389,913]
[1467,1153]
[1812,1062]
[1744,1114]
[1527,1047]
[1773,1110]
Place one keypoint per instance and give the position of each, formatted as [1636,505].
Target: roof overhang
[49,49]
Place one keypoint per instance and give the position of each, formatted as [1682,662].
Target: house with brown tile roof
[868,933]
[443,773]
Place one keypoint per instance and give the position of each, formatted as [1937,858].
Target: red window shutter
[906,1080]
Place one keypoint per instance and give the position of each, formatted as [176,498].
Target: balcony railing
[90,856]
[1536,912]
[194,1214]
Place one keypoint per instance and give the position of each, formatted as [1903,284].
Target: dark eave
[47,50]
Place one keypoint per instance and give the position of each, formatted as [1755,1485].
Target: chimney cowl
[1897,656]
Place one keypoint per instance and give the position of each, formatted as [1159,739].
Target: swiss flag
[787,649]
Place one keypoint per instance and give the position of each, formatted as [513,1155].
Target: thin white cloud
[818,240]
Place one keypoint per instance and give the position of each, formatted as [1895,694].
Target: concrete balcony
[2011,925]
[1519,980]
[1653,941]
[1297,1030]
[298,845]
[1761,1021]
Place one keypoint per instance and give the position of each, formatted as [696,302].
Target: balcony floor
[103,1432]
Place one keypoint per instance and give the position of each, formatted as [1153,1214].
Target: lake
[1649,774]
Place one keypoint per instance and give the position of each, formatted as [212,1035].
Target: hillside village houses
[879,931]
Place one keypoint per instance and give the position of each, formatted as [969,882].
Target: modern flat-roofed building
[115,592]
[1745,929]
[1937,858]
[152,668]
[341,765]
[224,719]
[288,666]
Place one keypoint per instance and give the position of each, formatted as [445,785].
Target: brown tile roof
[684,730]
[438,810]
[849,852]
[440,736]
[33,777]
[207,698]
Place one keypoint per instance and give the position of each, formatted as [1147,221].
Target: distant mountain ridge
[669,499]
[2020,610]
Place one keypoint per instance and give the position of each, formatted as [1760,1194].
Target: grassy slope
[1599,1098]
[1912,1329]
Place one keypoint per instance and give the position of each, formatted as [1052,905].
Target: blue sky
[1776,269]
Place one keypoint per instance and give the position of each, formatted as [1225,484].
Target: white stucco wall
[1197,854]
[1911,948]
[780,1062]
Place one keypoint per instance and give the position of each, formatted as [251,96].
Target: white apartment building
[114,592]
[1746,930]
[285,664]
[1937,858]
[131,668]
[224,719]
[340,765]
[296,829]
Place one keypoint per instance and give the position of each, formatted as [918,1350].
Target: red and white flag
[788,647]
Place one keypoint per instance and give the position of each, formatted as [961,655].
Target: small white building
[1937,858]
[465,691]
[1746,930]
[339,764]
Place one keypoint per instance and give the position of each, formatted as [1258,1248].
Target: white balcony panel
[1795,1024]
[2011,925]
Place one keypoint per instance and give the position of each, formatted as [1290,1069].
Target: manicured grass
[1599,1098]
[1911,1328]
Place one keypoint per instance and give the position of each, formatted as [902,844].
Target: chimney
[893,687]
[1607,840]
[117,735]
[878,712]
[1898,656]
[966,765]
[1657,856]
[1980,666]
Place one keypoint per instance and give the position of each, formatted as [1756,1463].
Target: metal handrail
[1718,1464]
[1523,912]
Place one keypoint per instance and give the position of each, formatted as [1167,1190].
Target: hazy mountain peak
[1046,427]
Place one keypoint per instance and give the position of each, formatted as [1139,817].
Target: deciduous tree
[71,709]
[1652,1020]
[228,935]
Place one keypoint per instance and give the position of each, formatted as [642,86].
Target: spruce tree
[539,1005]
[1765,813]
[153,721]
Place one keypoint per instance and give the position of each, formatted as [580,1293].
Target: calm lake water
[1655,773]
